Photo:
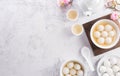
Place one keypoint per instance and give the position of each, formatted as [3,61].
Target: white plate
[102,60]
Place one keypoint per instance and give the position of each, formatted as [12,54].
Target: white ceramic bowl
[116,28]
[102,60]
[74,32]
[74,60]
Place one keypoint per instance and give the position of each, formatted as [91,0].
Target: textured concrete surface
[35,38]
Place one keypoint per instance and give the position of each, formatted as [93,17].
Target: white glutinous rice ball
[67,75]
[77,66]
[107,63]
[113,60]
[97,34]
[101,40]
[108,27]
[72,71]
[118,62]
[80,73]
[65,70]
[70,65]
[110,71]
[103,69]
[100,28]
[108,40]
[112,33]
[104,34]
[115,68]
[118,74]
[105,74]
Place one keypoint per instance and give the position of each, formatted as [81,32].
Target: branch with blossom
[115,16]
[63,3]
[113,4]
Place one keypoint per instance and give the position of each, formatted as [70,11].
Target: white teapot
[91,6]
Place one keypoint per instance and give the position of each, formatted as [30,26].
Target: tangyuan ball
[97,34]
[100,28]
[77,66]
[80,73]
[72,71]
[70,65]
[65,70]
[115,68]
[104,34]
[101,40]
[103,69]
[109,71]
[108,27]
[112,33]
[118,62]
[107,63]
[108,40]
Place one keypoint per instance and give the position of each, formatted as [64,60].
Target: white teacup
[72,14]
[77,29]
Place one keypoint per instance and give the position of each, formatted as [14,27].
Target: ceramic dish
[111,23]
[76,61]
[77,29]
[100,63]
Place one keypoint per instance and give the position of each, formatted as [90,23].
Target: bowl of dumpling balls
[72,68]
[109,66]
[105,34]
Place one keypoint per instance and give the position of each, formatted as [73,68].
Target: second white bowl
[117,33]
[74,60]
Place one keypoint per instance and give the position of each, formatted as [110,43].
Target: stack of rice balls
[104,34]
[73,69]
[110,67]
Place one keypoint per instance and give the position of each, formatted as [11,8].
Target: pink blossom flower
[66,1]
[114,16]
[63,2]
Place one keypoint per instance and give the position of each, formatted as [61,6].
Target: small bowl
[74,60]
[104,58]
[74,32]
[117,31]
[68,14]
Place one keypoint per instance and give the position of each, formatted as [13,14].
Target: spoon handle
[90,65]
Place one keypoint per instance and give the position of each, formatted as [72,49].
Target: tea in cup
[77,29]
[72,15]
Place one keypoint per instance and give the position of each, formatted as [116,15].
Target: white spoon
[86,54]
